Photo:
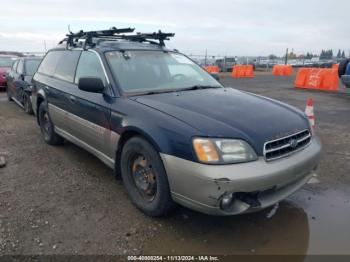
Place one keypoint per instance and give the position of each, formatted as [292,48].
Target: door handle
[72,99]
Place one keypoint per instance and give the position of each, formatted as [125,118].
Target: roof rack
[73,38]
[89,38]
[148,37]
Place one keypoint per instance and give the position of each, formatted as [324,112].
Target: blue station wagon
[171,131]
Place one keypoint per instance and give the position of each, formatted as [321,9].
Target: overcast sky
[230,27]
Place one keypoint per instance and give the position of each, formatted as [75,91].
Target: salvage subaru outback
[170,130]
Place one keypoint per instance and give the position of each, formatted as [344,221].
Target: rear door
[56,76]
[90,118]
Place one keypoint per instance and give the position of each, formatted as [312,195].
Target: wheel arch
[127,134]
[39,100]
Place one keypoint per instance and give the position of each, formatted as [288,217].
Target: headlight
[223,151]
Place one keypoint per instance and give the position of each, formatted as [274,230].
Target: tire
[144,178]
[27,104]
[342,67]
[47,127]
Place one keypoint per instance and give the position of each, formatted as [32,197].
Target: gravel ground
[62,200]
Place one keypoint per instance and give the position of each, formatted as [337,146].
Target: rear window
[66,66]
[32,66]
[48,66]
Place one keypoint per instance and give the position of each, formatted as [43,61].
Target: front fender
[167,134]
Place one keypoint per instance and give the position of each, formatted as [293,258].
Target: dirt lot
[62,200]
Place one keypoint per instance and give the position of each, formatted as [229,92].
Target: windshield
[156,71]
[32,66]
[6,61]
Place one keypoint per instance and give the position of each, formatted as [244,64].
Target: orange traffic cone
[309,111]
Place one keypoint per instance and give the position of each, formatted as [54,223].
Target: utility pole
[286,58]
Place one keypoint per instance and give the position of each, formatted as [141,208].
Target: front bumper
[201,187]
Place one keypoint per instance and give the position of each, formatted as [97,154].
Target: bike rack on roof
[113,34]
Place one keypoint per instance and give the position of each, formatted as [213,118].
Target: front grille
[286,145]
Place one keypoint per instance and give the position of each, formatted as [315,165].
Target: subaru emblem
[293,143]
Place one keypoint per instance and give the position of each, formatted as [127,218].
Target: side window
[48,65]
[20,67]
[89,66]
[66,66]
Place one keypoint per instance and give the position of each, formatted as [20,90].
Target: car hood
[229,113]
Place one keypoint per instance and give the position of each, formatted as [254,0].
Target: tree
[339,54]
[322,55]
[343,54]
[291,55]
[309,55]
[326,54]
[272,57]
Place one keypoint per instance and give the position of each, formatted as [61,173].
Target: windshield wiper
[158,92]
[197,87]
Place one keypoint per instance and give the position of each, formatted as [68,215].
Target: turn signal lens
[205,150]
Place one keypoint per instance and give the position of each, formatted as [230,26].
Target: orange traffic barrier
[301,77]
[243,71]
[282,70]
[249,71]
[315,78]
[212,69]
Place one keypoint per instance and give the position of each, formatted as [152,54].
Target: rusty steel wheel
[144,177]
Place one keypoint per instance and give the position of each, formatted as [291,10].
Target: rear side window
[48,65]
[89,66]
[66,66]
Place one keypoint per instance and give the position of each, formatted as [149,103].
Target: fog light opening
[226,201]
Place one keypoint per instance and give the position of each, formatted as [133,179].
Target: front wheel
[144,178]
[47,127]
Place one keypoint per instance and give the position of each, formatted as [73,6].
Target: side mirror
[91,84]
[216,76]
